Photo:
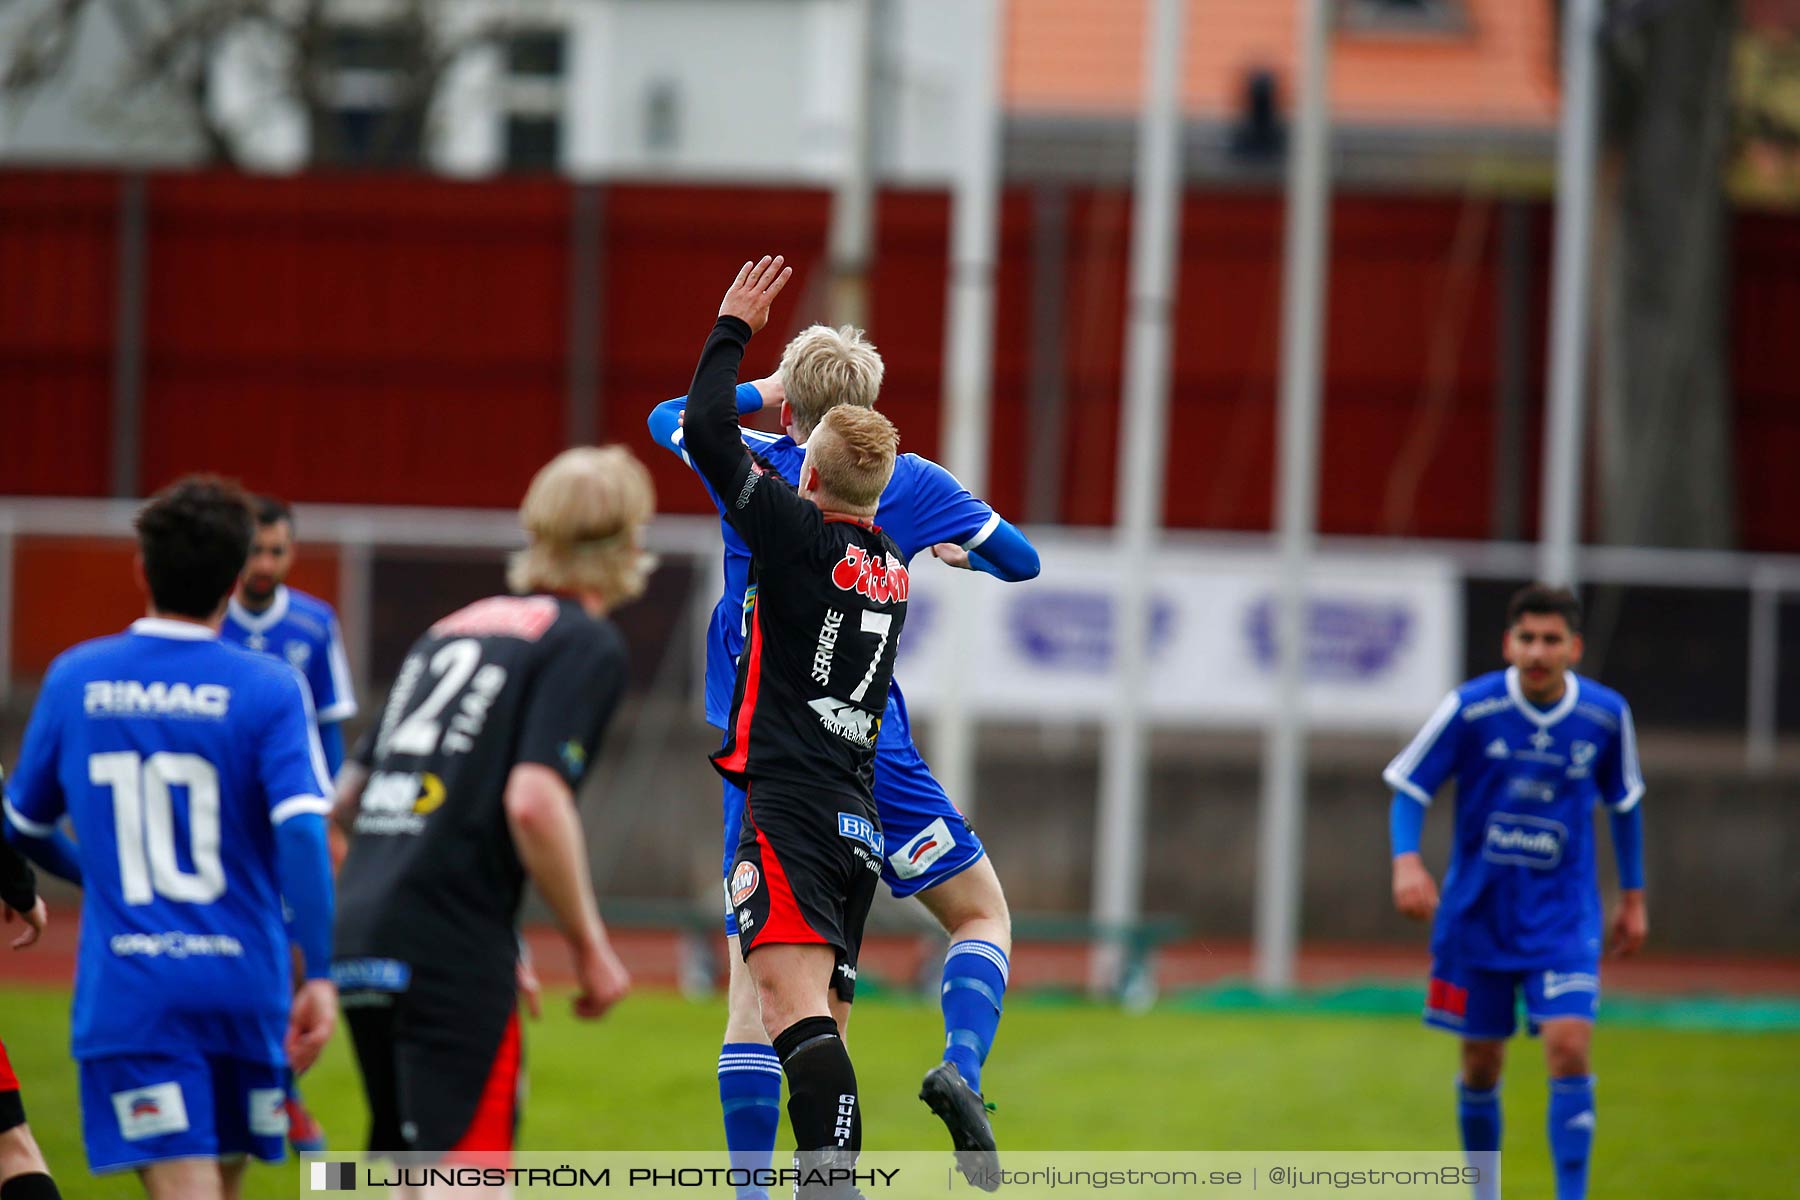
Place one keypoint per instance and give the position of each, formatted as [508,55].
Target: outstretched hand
[754,290]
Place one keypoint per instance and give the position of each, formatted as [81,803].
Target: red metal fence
[406,340]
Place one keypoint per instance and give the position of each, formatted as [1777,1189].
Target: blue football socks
[750,1095]
[1571,1133]
[974,984]
[1478,1115]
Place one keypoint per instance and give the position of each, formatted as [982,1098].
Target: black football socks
[822,1103]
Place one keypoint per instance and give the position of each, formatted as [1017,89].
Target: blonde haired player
[824,367]
[464,791]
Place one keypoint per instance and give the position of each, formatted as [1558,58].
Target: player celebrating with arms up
[830,601]
[1532,748]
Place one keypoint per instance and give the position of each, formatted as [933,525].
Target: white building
[737,89]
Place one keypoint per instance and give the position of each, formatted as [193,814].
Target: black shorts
[805,874]
[12,1105]
[442,1075]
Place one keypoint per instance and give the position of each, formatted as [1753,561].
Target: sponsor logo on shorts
[922,850]
[152,1111]
[1446,1001]
[1560,983]
[859,829]
[746,920]
[1534,842]
[745,879]
[371,975]
[268,1112]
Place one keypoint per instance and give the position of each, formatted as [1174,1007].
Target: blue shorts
[1481,1004]
[925,840]
[144,1108]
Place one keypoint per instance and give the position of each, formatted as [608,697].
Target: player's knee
[1566,1056]
[1482,1063]
[972,905]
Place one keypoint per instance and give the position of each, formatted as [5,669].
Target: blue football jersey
[304,630]
[922,505]
[1522,891]
[175,756]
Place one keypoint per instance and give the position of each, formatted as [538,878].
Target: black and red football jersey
[830,602]
[433,877]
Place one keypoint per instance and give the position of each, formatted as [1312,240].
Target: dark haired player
[269,617]
[830,602]
[1532,749]
[193,774]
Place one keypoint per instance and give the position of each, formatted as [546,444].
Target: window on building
[1441,17]
[534,99]
[373,118]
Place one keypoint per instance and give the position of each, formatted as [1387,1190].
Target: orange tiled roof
[1086,56]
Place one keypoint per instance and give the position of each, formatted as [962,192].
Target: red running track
[655,958]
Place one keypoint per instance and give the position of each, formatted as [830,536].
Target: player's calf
[23,1173]
[1570,1116]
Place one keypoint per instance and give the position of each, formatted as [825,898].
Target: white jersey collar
[1536,715]
[181,631]
[268,618]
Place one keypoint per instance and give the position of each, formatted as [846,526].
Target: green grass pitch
[1682,1114]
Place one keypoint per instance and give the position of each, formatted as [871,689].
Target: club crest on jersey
[884,580]
[744,882]
[860,829]
[922,850]
[298,655]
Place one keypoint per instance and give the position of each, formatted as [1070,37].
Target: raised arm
[710,431]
